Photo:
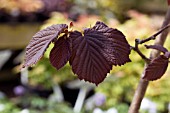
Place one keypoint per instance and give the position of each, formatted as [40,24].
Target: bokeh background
[43,89]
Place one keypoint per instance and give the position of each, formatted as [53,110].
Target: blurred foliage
[32,6]
[159,92]
[17,11]
[37,104]
[45,76]
[82,22]
[117,8]
[33,104]
[8,107]
[20,5]
[121,108]
[105,8]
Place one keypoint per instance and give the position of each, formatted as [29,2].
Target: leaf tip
[156,68]
[71,25]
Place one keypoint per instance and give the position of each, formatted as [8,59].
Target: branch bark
[143,84]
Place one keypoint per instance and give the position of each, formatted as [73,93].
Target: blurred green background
[31,91]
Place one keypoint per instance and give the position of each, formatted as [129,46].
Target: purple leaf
[96,50]
[157,47]
[40,42]
[86,60]
[168,2]
[156,68]
[60,53]
[116,48]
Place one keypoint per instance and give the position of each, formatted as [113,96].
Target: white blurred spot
[2,107]
[148,105]
[25,111]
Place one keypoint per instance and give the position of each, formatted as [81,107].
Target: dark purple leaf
[40,42]
[168,2]
[86,60]
[60,53]
[157,47]
[156,68]
[96,50]
[116,48]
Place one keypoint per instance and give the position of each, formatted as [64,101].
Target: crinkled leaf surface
[60,53]
[115,48]
[40,42]
[156,68]
[157,47]
[96,50]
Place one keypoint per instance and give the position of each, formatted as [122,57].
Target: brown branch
[143,84]
[136,48]
[153,37]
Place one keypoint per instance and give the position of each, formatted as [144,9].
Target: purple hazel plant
[157,66]
[92,53]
